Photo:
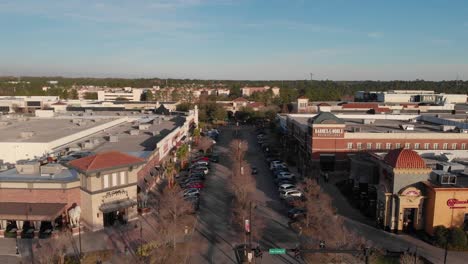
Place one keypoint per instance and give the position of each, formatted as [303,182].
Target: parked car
[200,159]
[188,182]
[286,186]
[197,174]
[254,170]
[198,185]
[203,169]
[287,193]
[283,181]
[296,213]
[191,192]
[199,163]
[277,163]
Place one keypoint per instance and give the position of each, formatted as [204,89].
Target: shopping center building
[96,171]
[326,141]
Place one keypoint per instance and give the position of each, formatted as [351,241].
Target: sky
[236,39]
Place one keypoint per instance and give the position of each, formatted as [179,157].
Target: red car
[197,185]
[200,159]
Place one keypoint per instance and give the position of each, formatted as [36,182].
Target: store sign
[411,192]
[457,204]
[115,193]
[328,132]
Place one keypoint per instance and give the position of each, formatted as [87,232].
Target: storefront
[108,188]
[446,205]
[400,192]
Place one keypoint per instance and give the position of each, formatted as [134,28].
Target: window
[359,146]
[388,146]
[426,145]
[350,145]
[463,146]
[114,179]
[407,145]
[454,145]
[369,145]
[445,146]
[123,177]
[105,181]
[397,145]
[436,145]
[416,145]
[378,146]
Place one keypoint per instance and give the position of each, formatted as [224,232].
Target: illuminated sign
[411,192]
[326,132]
[454,203]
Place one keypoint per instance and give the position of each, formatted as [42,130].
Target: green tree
[184,107]
[73,94]
[147,96]
[182,154]
[90,96]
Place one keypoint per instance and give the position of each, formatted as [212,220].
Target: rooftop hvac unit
[134,132]
[144,126]
[390,131]
[368,121]
[4,123]
[446,128]
[156,133]
[463,130]
[407,127]
[356,129]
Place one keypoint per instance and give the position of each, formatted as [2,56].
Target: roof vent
[407,127]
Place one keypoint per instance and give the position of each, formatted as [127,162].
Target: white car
[205,170]
[277,163]
[290,193]
[286,186]
[191,192]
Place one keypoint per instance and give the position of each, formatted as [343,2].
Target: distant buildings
[113,94]
[410,96]
[240,103]
[248,91]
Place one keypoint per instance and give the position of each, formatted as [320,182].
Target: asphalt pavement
[217,238]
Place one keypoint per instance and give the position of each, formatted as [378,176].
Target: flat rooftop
[144,141]
[12,175]
[380,125]
[45,129]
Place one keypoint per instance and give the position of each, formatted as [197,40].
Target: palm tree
[182,153]
[196,135]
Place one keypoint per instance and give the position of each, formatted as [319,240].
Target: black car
[296,213]
[254,171]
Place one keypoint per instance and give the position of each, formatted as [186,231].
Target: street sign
[277,251]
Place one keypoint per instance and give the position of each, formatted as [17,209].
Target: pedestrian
[326,177]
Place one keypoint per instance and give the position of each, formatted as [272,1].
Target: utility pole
[250,227]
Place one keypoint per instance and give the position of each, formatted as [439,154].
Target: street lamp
[17,251]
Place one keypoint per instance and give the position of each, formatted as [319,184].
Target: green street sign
[277,251]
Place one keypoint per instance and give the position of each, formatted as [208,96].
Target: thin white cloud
[375,35]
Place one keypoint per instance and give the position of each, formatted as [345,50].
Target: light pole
[79,238]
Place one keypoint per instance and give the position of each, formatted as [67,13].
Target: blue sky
[236,39]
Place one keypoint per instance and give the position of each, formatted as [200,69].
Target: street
[214,228]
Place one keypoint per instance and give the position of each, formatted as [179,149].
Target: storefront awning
[31,211]
[116,205]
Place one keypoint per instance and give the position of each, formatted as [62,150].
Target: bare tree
[243,186]
[205,143]
[53,250]
[323,223]
[408,258]
[174,215]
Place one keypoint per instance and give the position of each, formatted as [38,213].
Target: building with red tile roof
[104,161]
[404,159]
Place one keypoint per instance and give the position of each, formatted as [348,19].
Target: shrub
[457,238]
[440,235]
